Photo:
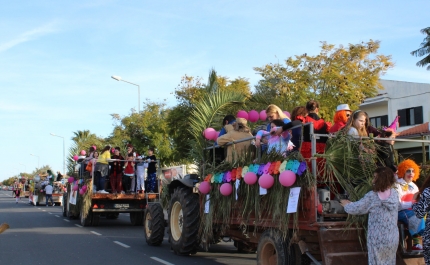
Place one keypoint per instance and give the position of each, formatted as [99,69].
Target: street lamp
[118,78]
[38,160]
[64,153]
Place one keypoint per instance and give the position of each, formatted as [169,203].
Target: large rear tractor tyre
[87,220]
[153,222]
[271,249]
[136,218]
[184,221]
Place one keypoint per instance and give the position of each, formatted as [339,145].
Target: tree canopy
[424,50]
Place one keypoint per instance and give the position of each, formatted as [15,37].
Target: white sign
[207,203]
[73,195]
[293,200]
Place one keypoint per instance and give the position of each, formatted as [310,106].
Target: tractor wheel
[271,249]
[154,224]
[136,218]
[95,219]
[64,204]
[184,221]
[87,220]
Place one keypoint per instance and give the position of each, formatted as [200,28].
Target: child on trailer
[281,144]
[129,171]
[382,204]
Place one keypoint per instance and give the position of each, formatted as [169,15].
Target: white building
[409,101]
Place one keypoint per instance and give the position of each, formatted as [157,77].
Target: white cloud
[28,36]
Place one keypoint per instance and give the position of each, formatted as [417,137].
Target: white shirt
[404,188]
[353,131]
[48,189]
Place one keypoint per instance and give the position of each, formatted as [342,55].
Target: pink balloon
[287,113]
[263,115]
[81,191]
[250,178]
[226,189]
[75,187]
[83,152]
[253,116]
[266,181]
[71,179]
[208,133]
[205,187]
[75,157]
[84,188]
[287,178]
[242,114]
[95,147]
[215,135]
[113,150]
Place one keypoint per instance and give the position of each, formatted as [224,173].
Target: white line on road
[57,216]
[78,225]
[50,213]
[66,220]
[162,261]
[121,244]
[95,233]
[38,208]
[43,211]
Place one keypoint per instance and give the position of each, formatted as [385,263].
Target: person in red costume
[340,117]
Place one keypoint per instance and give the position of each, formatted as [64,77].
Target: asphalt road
[41,235]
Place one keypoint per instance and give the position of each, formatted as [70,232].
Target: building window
[379,121]
[410,116]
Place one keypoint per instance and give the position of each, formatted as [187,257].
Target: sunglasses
[409,171]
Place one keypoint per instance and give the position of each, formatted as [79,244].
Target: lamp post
[64,153]
[38,160]
[118,78]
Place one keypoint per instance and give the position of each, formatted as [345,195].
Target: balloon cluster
[286,170]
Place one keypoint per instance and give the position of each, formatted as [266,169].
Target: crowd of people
[394,197]
[126,174]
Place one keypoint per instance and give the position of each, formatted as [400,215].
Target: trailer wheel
[136,218]
[87,220]
[96,219]
[271,249]
[184,221]
[154,224]
[64,204]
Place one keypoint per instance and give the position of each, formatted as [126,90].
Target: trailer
[37,195]
[299,224]
[81,202]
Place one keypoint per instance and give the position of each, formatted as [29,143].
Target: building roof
[422,129]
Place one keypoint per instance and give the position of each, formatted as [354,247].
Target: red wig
[406,164]
[340,116]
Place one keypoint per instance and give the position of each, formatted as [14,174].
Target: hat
[342,107]
[242,121]
[130,145]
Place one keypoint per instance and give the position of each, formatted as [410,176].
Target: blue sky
[56,57]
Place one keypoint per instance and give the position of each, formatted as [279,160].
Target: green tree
[82,140]
[146,129]
[336,75]
[424,49]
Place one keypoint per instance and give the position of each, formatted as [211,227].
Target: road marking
[57,216]
[43,211]
[121,244]
[162,261]
[95,233]
[38,208]
[78,225]
[50,213]
[66,220]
